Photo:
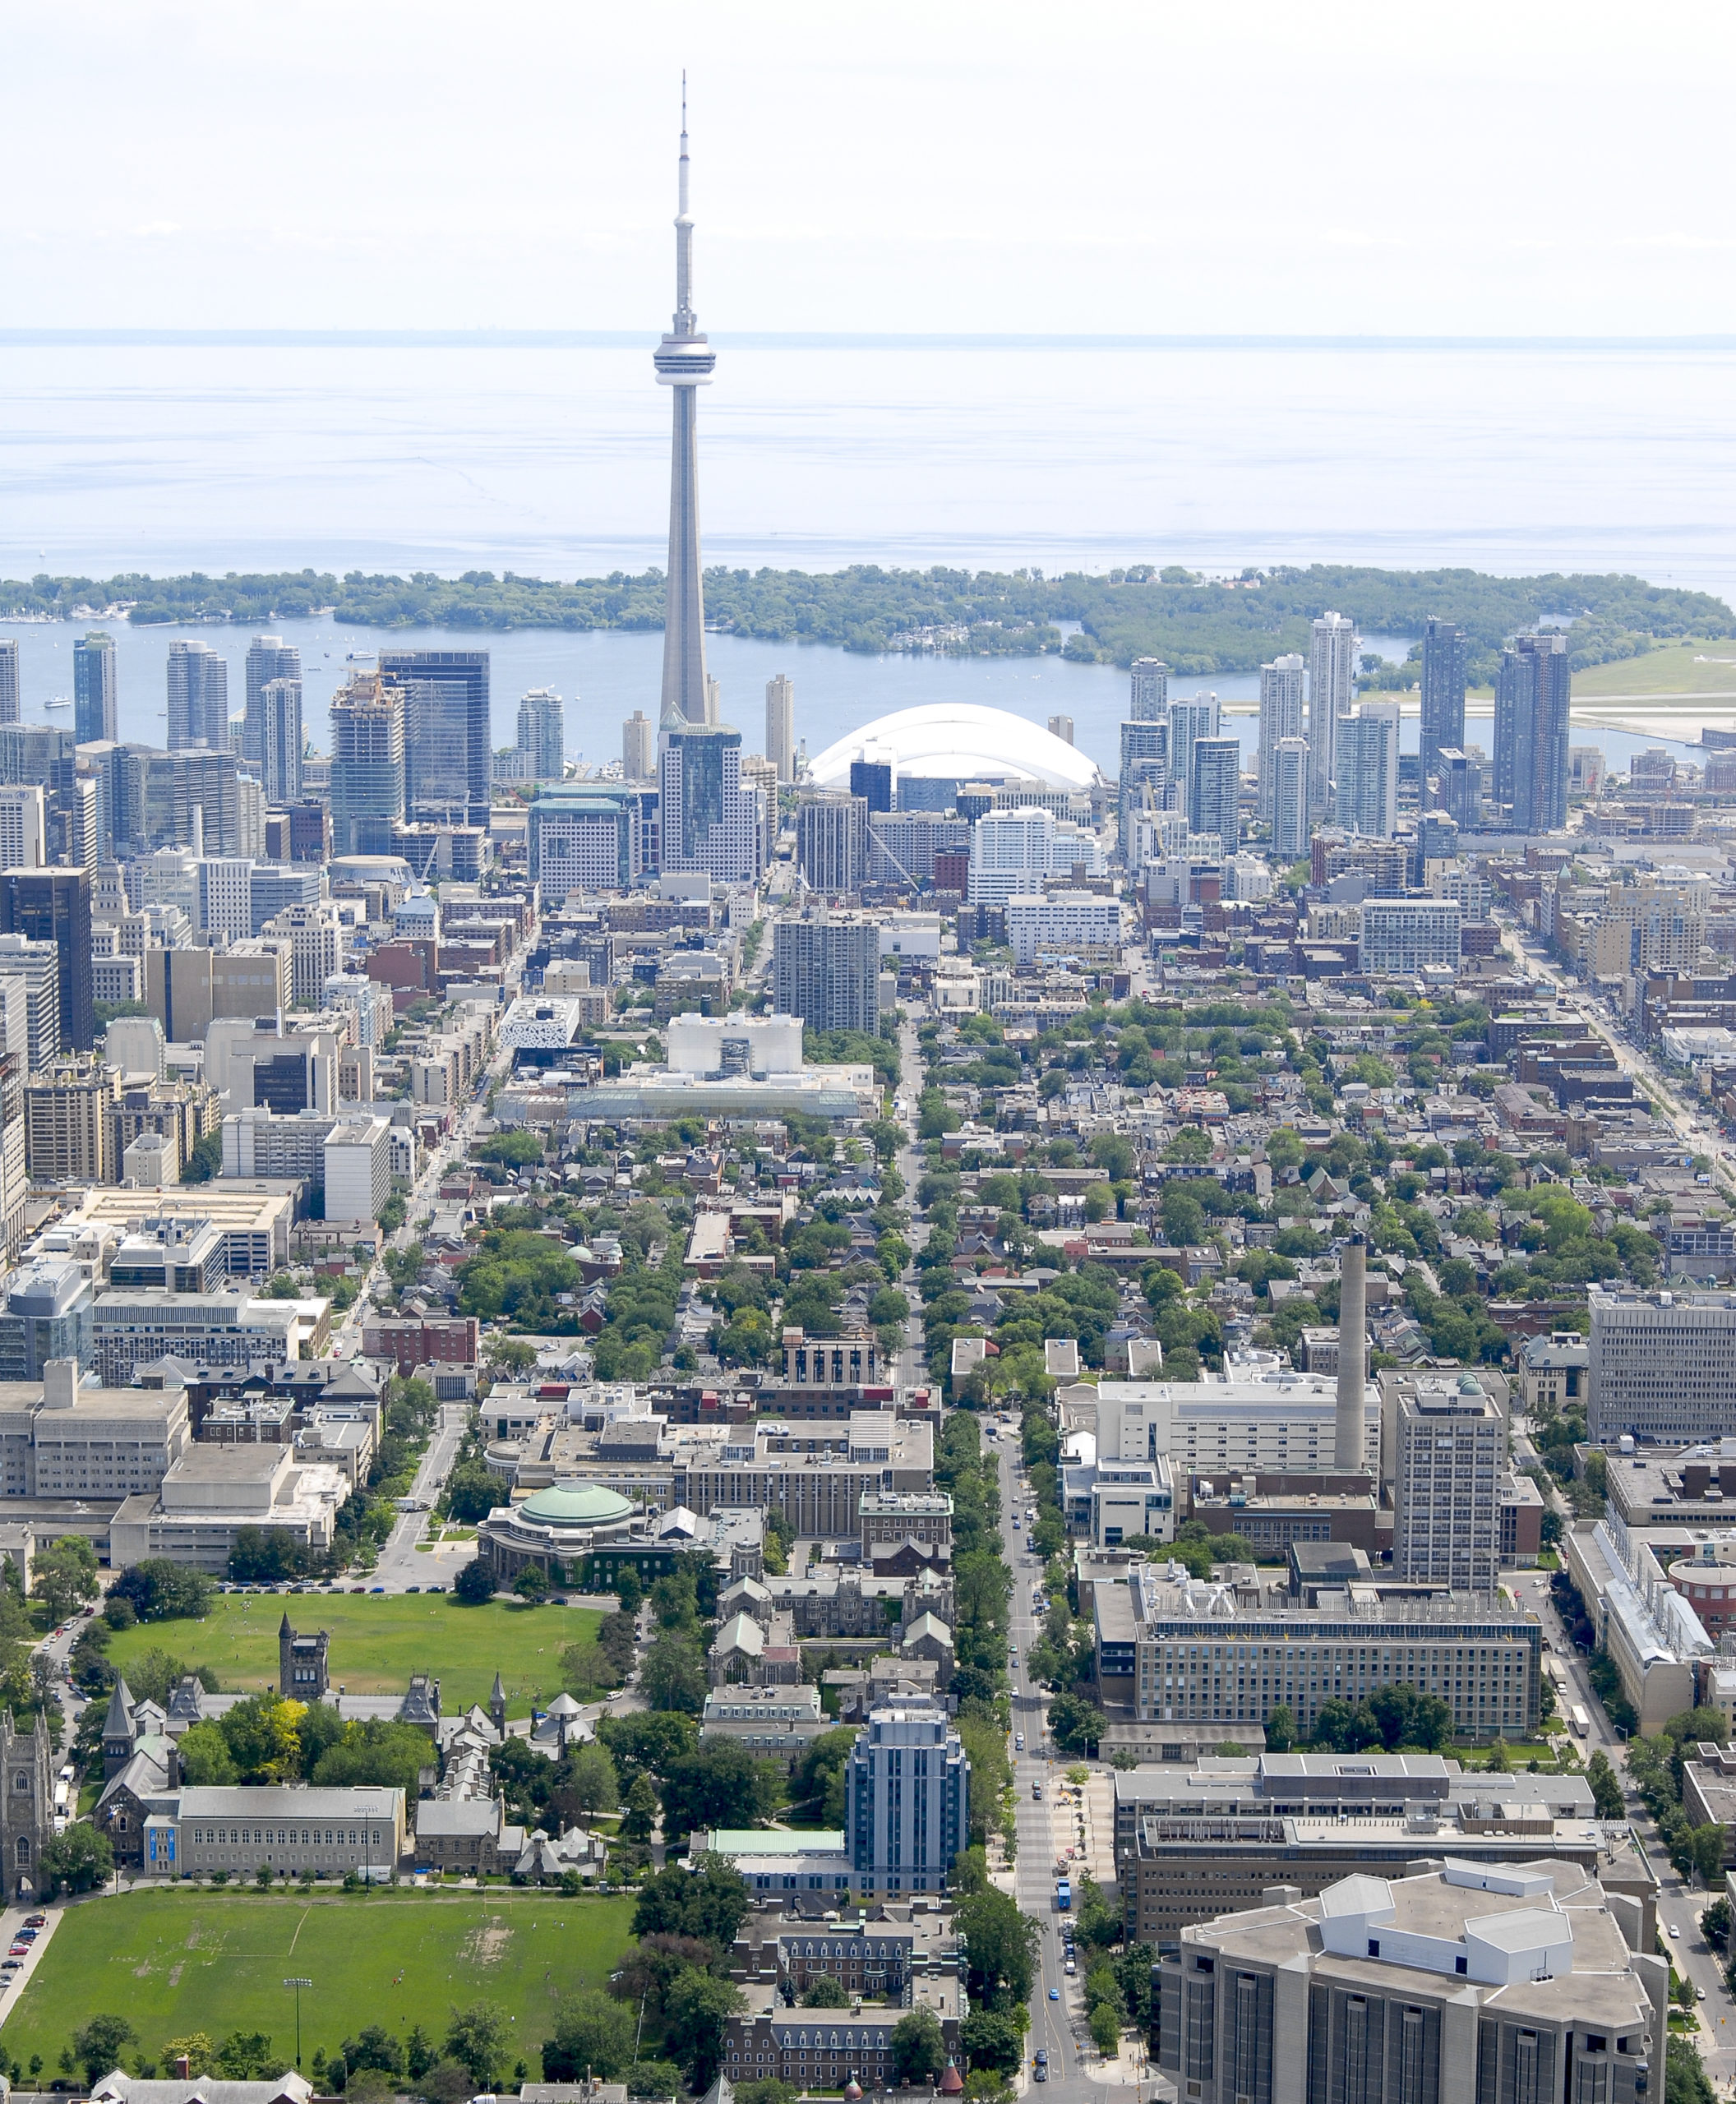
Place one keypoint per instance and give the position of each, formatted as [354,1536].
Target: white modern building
[780,726]
[1662,1367]
[357,1159]
[1368,770]
[1404,935]
[1257,1416]
[1332,682]
[1013,851]
[1282,692]
[22,827]
[1064,923]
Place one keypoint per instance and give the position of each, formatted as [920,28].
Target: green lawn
[378,1641]
[1680,668]
[174,1962]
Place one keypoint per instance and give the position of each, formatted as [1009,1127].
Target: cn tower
[684,361]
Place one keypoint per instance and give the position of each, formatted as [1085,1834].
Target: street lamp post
[298,1984]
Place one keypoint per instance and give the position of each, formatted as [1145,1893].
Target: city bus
[1578,1722]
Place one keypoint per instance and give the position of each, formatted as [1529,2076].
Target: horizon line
[507,339]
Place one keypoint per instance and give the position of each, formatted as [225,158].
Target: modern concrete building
[23,826]
[780,726]
[708,822]
[1214,781]
[448,750]
[269,658]
[1532,726]
[1291,809]
[11,693]
[639,748]
[367,765]
[1404,936]
[137,1326]
[1368,770]
[281,741]
[96,689]
[827,971]
[356,1157]
[542,734]
[65,1437]
[1449,1458]
[1063,924]
[1466,1983]
[832,841]
[68,1122]
[211,1492]
[1662,1366]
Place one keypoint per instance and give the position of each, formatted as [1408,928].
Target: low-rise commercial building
[213,1492]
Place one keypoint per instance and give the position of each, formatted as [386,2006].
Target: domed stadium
[957,741]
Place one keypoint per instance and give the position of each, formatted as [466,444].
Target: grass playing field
[378,1641]
[176,1962]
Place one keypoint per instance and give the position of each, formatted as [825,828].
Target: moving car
[1018,1741]
[1054,1994]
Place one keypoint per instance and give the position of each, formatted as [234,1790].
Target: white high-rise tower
[1332,682]
[1280,716]
[685,362]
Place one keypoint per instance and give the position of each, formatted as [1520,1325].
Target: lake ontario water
[551,457]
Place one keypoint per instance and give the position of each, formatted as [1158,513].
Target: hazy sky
[1485,167]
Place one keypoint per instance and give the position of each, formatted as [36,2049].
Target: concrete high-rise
[639,747]
[269,657]
[542,734]
[832,841]
[96,689]
[1061,727]
[827,972]
[366,765]
[280,741]
[1282,690]
[1350,1410]
[23,826]
[1450,1454]
[198,697]
[1289,808]
[780,726]
[1662,1367]
[1532,713]
[449,755]
[1331,680]
[684,361]
[1444,697]
[10,701]
[1214,796]
[1461,793]
[1368,770]
[1149,701]
[1189,720]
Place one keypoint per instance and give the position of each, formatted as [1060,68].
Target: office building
[1331,680]
[780,726]
[709,822]
[542,734]
[68,1122]
[1148,701]
[367,765]
[1061,727]
[1459,792]
[1290,805]
[1214,790]
[1662,1367]
[871,780]
[281,735]
[358,1169]
[903,846]
[827,972]
[639,748]
[760,779]
[1406,935]
[225,897]
[315,932]
[585,840]
[1368,770]
[47,1316]
[269,658]
[684,362]
[1193,1843]
[832,841]
[1198,1656]
[96,689]
[11,692]
[36,967]
[1283,692]
[198,697]
[274,887]
[449,753]
[1449,1457]
[1532,725]
[136,1326]
[1444,697]
[1464,1983]
[906,1801]
[53,905]
[23,826]
[1189,720]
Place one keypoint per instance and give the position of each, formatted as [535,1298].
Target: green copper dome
[576,1505]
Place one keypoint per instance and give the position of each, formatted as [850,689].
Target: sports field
[378,1641]
[176,1962]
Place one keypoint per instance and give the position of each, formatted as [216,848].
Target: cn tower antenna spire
[684,361]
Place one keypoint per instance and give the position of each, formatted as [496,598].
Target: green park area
[378,1641]
[1681,668]
[174,1963]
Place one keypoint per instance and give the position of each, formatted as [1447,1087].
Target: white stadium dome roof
[960,742]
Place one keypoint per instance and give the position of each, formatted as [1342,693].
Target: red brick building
[410,1341]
